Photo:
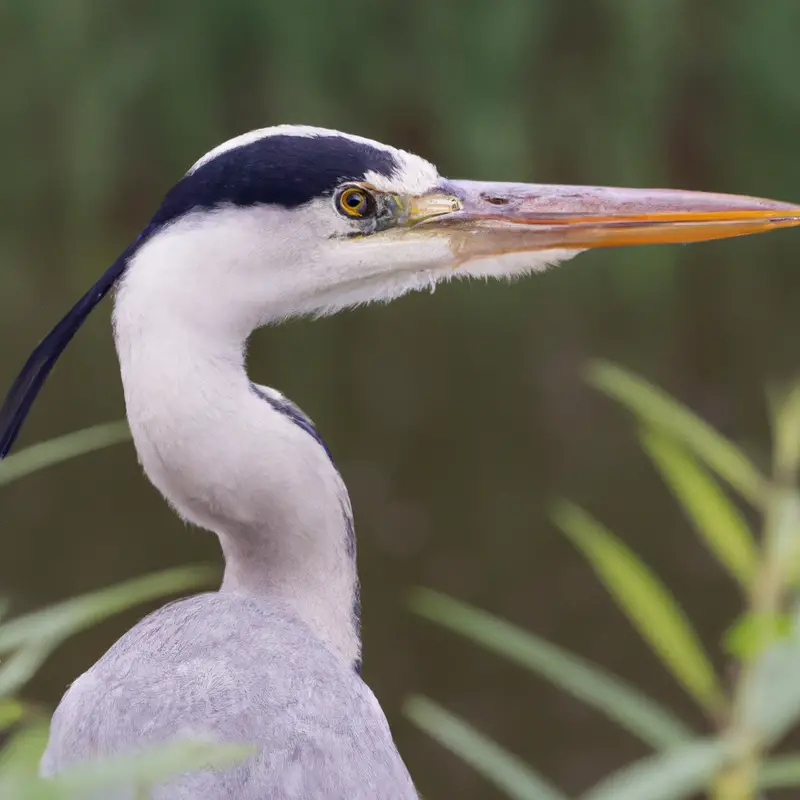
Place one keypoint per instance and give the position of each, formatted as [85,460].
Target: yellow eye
[355,201]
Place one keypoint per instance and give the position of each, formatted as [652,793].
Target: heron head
[293,220]
[298,220]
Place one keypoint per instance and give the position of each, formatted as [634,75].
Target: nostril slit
[496,201]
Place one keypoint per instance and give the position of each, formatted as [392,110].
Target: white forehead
[413,175]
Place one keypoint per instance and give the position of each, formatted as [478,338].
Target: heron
[282,222]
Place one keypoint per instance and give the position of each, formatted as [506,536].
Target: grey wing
[225,668]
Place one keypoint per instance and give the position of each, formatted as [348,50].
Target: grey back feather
[232,668]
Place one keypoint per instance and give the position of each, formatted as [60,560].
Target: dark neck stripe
[292,412]
[351,552]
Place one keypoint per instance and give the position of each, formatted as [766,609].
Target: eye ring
[355,202]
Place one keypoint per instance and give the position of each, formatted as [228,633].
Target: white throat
[224,457]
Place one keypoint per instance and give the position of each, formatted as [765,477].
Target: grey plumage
[228,667]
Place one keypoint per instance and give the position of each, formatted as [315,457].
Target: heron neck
[231,462]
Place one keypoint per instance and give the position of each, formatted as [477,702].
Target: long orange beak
[517,217]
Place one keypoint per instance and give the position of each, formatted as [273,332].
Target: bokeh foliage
[455,419]
[763,703]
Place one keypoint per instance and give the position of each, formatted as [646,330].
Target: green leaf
[11,712]
[754,633]
[672,775]
[785,407]
[658,409]
[771,700]
[19,760]
[648,604]
[49,627]
[502,769]
[716,518]
[780,772]
[55,451]
[619,701]
[17,670]
[151,767]
[782,535]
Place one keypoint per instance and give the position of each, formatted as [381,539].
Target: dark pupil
[354,200]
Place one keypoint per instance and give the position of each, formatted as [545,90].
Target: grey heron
[278,222]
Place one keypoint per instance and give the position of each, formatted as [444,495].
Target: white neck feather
[222,456]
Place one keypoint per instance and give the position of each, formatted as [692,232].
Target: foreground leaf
[619,701]
[154,766]
[716,518]
[17,670]
[753,633]
[11,712]
[646,602]
[780,772]
[19,761]
[34,636]
[658,409]
[771,703]
[785,408]
[673,775]
[501,768]
[60,621]
[54,451]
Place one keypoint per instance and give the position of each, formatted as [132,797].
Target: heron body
[276,223]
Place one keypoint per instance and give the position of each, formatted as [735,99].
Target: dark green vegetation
[456,419]
[760,705]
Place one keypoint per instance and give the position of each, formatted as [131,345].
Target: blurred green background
[455,418]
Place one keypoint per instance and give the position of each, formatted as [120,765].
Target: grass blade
[770,705]
[151,767]
[717,520]
[619,701]
[646,602]
[673,775]
[785,408]
[19,761]
[780,772]
[11,712]
[54,451]
[17,670]
[502,769]
[54,624]
[658,409]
